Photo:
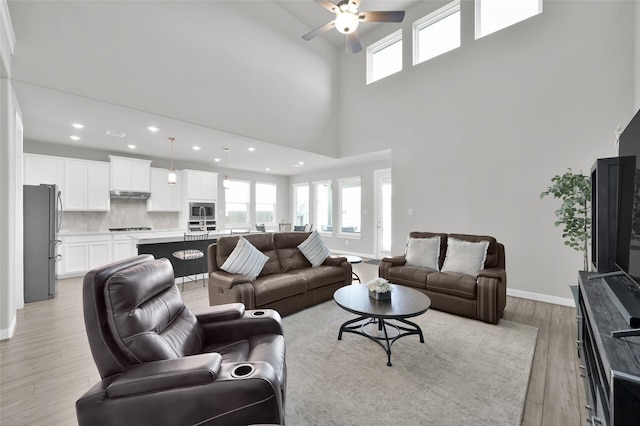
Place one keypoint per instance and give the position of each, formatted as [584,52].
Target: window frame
[242,225]
[295,186]
[477,16]
[318,225]
[275,203]
[341,182]
[429,20]
[379,46]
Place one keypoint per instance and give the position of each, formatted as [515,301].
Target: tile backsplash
[123,214]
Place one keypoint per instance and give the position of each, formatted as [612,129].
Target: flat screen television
[627,256]
[624,285]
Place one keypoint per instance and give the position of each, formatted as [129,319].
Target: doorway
[382,205]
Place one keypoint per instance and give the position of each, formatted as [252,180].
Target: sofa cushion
[492,250]
[314,249]
[290,256]
[245,259]
[452,283]
[410,276]
[147,316]
[261,241]
[443,243]
[271,288]
[321,276]
[423,252]
[465,257]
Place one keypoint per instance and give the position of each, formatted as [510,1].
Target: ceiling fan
[347,19]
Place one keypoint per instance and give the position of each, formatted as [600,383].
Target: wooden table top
[405,302]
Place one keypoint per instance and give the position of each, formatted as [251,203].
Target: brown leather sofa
[161,364]
[482,297]
[287,282]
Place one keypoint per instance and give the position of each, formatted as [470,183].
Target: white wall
[476,134]
[11,271]
[236,66]
[11,247]
[363,246]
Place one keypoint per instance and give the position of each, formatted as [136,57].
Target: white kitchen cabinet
[82,253]
[200,186]
[123,247]
[164,197]
[43,169]
[130,174]
[86,186]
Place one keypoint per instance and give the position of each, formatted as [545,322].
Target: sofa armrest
[252,323]
[334,260]
[497,273]
[227,280]
[226,312]
[389,262]
[256,398]
[491,297]
[395,260]
[165,374]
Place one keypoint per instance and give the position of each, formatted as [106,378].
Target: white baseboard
[8,333]
[542,297]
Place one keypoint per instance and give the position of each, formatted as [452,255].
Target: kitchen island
[164,244]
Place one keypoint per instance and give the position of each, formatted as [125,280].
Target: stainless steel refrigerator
[42,219]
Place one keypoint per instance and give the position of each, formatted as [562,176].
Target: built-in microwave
[202,211]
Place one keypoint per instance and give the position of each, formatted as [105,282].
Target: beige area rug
[466,373]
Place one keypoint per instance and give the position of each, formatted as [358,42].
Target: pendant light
[171,177]
[225,182]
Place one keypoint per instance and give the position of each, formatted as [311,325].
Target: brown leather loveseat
[287,283]
[480,296]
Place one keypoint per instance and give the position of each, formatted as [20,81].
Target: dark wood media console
[611,366]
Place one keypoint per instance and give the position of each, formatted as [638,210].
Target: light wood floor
[47,365]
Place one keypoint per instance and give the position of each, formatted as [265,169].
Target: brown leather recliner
[163,365]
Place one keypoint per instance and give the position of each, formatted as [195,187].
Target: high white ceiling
[212,74]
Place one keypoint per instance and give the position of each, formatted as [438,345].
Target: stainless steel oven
[202,211]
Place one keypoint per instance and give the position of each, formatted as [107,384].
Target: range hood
[130,195]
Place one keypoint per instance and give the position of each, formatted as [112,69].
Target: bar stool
[194,247]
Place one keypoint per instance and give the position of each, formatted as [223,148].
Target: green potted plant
[575,192]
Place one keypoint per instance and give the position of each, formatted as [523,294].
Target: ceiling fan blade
[326,27]
[327,5]
[353,43]
[393,16]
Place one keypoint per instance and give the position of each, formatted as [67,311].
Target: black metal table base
[382,327]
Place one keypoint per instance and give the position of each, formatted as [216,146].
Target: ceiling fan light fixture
[346,22]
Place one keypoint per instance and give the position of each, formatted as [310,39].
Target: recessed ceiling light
[217,160]
[196,148]
[116,134]
[78,125]
[301,163]
[131,146]
[268,169]
[75,138]
[251,149]
[153,129]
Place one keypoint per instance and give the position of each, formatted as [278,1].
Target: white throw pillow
[314,249]
[245,259]
[465,257]
[423,252]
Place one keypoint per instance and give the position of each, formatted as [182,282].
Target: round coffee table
[383,321]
